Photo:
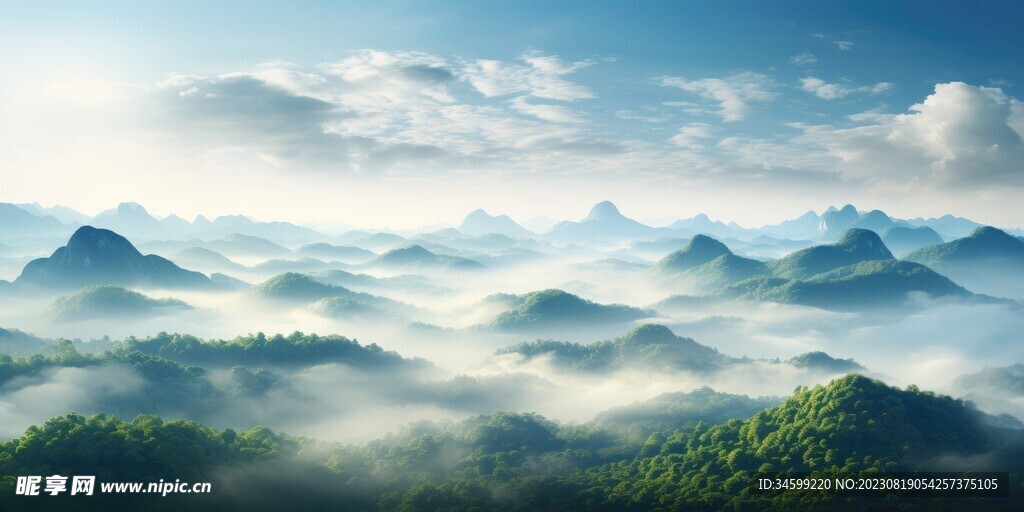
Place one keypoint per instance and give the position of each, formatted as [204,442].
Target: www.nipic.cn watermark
[86,485]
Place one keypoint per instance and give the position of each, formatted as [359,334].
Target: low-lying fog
[445,323]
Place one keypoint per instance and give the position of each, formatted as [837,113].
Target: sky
[402,114]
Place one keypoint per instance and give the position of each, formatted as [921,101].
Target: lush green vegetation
[864,285]
[555,307]
[109,301]
[294,350]
[856,246]
[525,462]
[985,244]
[648,346]
[416,256]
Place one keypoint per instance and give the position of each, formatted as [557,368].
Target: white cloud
[547,112]
[959,135]
[691,134]
[802,59]
[733,93]
[541,77]
[828,91]
[844,45]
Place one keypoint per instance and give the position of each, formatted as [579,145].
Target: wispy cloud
[828,91]
[733,93]
[844,45]
[802,59]
[541,76]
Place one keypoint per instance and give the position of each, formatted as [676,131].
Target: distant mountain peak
[131,207]
[604,210]
[864,240]
[649,333]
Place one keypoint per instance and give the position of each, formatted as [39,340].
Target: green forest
[680,451]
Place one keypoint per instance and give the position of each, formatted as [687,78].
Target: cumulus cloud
[734,93]
[960,134]
[827,91]
[541,76]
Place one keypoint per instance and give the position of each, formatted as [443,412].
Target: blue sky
[401,112]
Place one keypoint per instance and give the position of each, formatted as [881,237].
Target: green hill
[668,412]
[508,461]
[902,240]
[556,307]
[416,256]
[649,346]
[865,285]
[326,299]
[699,250]
[856,246]
[109,301]
[722,271]
[986,245]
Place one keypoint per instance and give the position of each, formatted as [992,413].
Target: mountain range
[97,257]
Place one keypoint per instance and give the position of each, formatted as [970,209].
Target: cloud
[733,93]
[541,77]
[553,113]
[959,135]
[377,112]
[802,59]
[844,45]
[691,134]
[828,91]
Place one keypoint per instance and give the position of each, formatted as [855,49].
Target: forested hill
[525,462]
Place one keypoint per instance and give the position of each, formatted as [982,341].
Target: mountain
[342,253]
[804,226]
[679,410]
[698,251]
[703,224]
[378,241]
[478,222]
[208,260]
[604,222]
[15,343]
[853,424]
[557,308]
[722,271]
[62,213]
[984,246]
[324,299]
[18,223]
[820,361]
[705,264]
[98,256]
[948,226]
[417,257]
[284,233]
[237,244]
[987,261]
[877,221]
[1001,381]
[99,302]
[132,220]
[855,246]
[902,240]
[835,221]
[295,287]
[647,346]
[862,286]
